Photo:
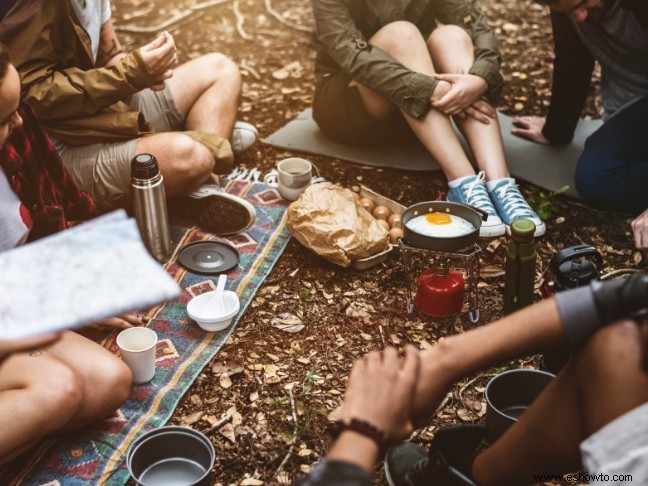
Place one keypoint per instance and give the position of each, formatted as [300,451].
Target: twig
[294,437]
[246,67]
[239,20]
[281,18]
[619,271]
[165,24]
[219,424]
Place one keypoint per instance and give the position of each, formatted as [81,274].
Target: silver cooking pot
[437,243]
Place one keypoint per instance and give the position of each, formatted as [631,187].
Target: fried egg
[439,224]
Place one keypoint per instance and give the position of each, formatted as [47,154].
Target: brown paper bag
[328,220]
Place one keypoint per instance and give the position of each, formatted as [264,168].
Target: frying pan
[439,243]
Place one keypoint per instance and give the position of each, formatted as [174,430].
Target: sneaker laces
[513,201]
[476,195]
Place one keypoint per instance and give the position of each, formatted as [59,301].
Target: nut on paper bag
[328,220]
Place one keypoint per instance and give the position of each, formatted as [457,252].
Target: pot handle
[484,214]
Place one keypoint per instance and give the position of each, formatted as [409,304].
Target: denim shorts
[103,169]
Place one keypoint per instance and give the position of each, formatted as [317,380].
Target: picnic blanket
[96,454]
[547,166]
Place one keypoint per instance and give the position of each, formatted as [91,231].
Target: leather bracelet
[362,427]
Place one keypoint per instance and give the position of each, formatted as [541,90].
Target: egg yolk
[438,218]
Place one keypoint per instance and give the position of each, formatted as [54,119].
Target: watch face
[208,257]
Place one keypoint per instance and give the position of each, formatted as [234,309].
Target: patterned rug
[96,455]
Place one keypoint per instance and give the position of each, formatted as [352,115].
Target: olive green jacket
[77,102]
[342,28]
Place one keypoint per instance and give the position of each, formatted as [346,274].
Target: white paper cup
[137,347]
[291,178]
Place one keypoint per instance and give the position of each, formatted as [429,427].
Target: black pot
[171,455]
[435,243]
[508,395]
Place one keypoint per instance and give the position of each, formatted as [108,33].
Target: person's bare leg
[38,396]
[184,163]
[105,379]
[206,90]
[403,41]
[451,50]
[599,384]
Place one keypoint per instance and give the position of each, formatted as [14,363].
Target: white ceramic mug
[137,346]
[291,178]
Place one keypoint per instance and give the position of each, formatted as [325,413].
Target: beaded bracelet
[362,427]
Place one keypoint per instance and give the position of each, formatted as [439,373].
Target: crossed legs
[599,384]
[59,388]
[206,93]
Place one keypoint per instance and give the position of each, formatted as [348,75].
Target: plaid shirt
[37,175]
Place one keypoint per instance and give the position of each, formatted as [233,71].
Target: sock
[457,182]
[490,185]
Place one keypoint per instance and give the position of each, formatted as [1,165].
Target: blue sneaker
[511,205]
[472,192]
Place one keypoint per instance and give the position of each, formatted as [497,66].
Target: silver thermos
[149,206]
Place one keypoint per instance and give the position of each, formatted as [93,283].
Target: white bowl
[213,322]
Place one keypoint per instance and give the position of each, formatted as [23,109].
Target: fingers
[640,230]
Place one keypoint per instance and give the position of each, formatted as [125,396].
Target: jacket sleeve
[572,73]
[74,92]
[51,53]
[469,15]
[347,46]
[335,473]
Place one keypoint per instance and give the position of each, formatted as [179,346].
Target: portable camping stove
[466,261]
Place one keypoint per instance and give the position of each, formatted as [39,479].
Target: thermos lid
[522,230]
[144,166]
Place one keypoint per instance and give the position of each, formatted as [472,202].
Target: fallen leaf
[227,431]
[287,322]
[225,380]
[228,368]
[193,418]
[251,482]
[491,271]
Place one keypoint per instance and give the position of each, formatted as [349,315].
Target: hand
[481,111]
[27,344]
[640,230]
[465,90]
[160,57]
[380,391]
[124,321]
[530,127]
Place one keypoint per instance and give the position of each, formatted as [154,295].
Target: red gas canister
[440,291]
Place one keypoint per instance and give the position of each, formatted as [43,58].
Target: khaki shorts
[339,112]
[618,453]
[103,169]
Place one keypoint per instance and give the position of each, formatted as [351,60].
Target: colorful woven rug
[96,455]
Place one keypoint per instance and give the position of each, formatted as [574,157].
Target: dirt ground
[280,387]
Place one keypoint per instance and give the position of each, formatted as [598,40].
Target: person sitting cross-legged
[594,414]
[102,106]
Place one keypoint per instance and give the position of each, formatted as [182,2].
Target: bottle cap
[144,166]
[522,230]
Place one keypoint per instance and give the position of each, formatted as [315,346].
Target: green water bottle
[520,266]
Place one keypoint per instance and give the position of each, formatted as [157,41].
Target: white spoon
[215,306]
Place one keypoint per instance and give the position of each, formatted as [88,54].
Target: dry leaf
[287,322]
[227,431]
[251,482]
[491,271]
[193,418]
[225,380]
[228,368]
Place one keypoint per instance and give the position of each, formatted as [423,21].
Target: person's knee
[612,346]
[115,382]
[188,159]
[397,36]
[61,392]
[222,68]
[450,37]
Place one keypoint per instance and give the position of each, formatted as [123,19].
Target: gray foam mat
[547,166]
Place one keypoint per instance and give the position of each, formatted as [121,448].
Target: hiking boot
[243,136]
[407,465]
[472,192]
[511,205]
[214,210]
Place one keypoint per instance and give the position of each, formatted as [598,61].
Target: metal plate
[208,257]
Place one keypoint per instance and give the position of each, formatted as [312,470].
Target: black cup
[508,395]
